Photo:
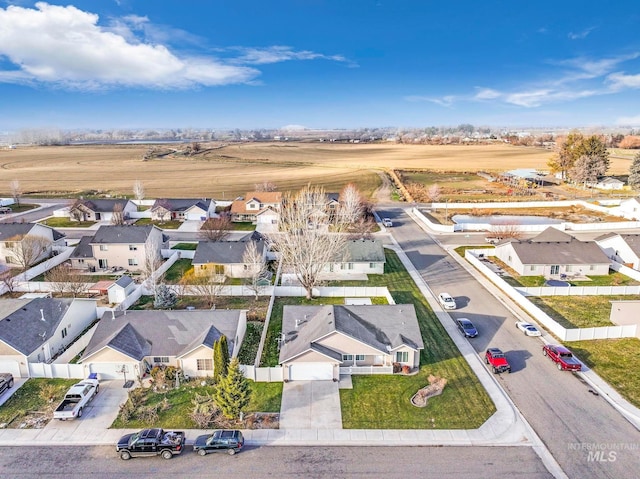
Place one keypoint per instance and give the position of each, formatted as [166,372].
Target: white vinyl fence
[55,370]
[577,290]
[262,375]
[576,334]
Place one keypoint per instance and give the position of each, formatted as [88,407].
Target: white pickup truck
[76,399]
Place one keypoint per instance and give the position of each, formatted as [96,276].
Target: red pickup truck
[497,360]
[562,357]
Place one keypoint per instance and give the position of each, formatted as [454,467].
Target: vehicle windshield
[134,438]
[498,355]
[467,326]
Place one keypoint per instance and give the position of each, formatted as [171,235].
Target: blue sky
[318,64]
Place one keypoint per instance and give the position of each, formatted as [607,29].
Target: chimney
[113,314]
[42,315]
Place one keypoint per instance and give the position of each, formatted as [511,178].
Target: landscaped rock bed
[435,388]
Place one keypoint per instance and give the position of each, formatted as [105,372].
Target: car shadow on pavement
[518,359]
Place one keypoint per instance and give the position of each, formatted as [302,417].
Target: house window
[104,247]
[359,357]
[532,268]
[205,364]
[246,267]
[133,247]
[402,356]
[9,260]
[349,265]
[218,268]
[509,259]
[133,262]
[161,359]
[592,267]
[347,357]
[372,265]
[64,333]
[555,269]
[569,268]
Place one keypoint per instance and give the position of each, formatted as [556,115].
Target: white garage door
[311,372]
[10,366]
[113,370]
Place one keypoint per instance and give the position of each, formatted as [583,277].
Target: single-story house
[608,183]
[117,246]
[623,248]
[254,202]
[120,289]
[360,256]
[36,330]
[225,258]
[183,209]
[24,244]
[322,342]
[553,253]
[101,209]
[629,209]
[132,342]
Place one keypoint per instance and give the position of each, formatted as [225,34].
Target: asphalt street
[558,405]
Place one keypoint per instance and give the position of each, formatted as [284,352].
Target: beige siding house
[225,258]
[255,202]
[322,342]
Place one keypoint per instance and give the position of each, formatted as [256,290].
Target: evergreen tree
[166,298]
[634,173]
[220,358]
[232,392]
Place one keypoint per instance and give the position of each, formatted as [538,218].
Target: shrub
[406,369]
[396,368]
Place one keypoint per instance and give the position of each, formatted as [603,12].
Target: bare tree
[265,186]
[28,249]
[433,193]
[208,285]
[151,262]
[65,280]
[7,280]
[138,190]
[254,260]
[216,229]
[506,230]
[75,210]
[305,246]
[117,216]
[351,207]
[16,191]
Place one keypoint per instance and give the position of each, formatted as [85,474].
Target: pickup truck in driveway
[6,381]
[562,357]
[497,360]
[151,442]
[76,399]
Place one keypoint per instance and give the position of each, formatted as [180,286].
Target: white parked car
[447,301]
[387,222]
[528,329]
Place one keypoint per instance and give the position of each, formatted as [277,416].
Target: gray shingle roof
[556,247]
[11,230]
[104,205]
[382,327]
[162,333]
[83,248]
[182,204]
[223,252]
[632,240]
[124,281]
[364,250]
[108,234]
[25,330]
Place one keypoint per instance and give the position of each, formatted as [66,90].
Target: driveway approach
[310,405]
[569,419]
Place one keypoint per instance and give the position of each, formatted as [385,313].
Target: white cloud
[280,53]
[487,94]
[620,81]
[535,98]
[581,35]
[65,46]
[447,100]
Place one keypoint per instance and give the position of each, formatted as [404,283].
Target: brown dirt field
[226,171]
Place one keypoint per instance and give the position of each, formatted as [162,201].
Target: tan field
[226,171]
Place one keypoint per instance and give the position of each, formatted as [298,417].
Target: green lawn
[36,398]
[265,397]
[615,361]
[383,401]
[66,223]
[250,343]
[578,311]
[177,270]
[165,225]
[248,226]
[186,246]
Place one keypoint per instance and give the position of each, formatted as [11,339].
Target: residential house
[120,289]
[25,244]
[183,209]
[623,248]
[117,246]
[36,330]
[608,183]
[322,342]
[553,253]
[359,256]
[254,202]
[101,209]
[268,221]
[629,209]
[225,258]
[133,342]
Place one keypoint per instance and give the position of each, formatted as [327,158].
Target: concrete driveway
[310,405]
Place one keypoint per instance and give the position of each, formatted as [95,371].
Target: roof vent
[297,323]
[42,315]
[113,314]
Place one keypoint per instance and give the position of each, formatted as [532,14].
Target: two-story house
[24,244]
[255,202]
